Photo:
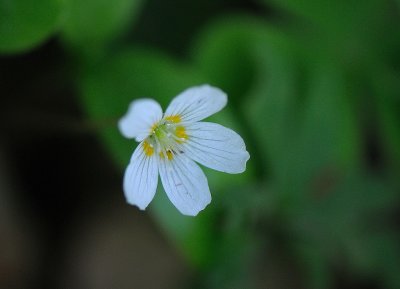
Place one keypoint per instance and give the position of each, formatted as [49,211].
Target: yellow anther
[174,118]
[148,149]
[170,155]
[180,132]
[153,127]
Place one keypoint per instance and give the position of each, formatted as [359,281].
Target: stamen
[166,137]
[173,118]
[170,155]
[148,149]
[180,132]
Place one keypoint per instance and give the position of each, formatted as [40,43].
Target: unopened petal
[141,177]
[141,116]
[197,103]
[185,184]
[216,147]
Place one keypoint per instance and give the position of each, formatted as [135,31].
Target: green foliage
[343,227]
[324,144]
[252,61]
[386,85]
[340,18]
[86,26]
[194,237]
[92,24]
[25,24]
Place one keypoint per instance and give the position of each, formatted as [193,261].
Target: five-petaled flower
[172,142]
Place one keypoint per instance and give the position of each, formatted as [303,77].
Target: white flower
[172,142]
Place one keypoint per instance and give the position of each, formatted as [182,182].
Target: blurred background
[314,89]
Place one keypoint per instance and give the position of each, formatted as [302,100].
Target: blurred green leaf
[226,52]
[250,60]
[344,226]
[356,203]
[235,257]
[347,32]
[194,237]
[91,24]
[221,53]
[314,264]
[324,142]
[25,24]
[271,105]
[347,17]
[329,137]
[377,254]
[386,85]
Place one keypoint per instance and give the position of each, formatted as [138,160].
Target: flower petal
[141,178]
[185,184]
[216,147]
[197,103]
[141,116]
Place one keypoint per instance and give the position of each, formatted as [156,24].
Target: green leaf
[329,137]
[341,17]
[345,228]
[194,237]
[252,61]
[226,52]
[25,24]
[387,88]
[221,53]
[270,107]
[326,143]
[314,264]
[91,24]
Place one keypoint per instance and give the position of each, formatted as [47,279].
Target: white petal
[141,116]
[216,147]
[185,184]
[141,178]
[197,103]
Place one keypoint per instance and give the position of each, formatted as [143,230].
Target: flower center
[166,138]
